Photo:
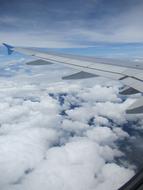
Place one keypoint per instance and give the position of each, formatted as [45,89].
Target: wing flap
[128,91]
[79,75]
[136,107]
[133,82]
[39,62]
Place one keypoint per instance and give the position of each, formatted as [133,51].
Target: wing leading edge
[129,76]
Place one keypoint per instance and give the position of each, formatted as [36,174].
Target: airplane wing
[129,73]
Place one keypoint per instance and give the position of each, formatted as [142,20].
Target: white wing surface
[129,73]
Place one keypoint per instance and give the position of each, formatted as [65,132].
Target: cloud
[83,159]
[118,171]
[51,132]
[105,135]
[22,151]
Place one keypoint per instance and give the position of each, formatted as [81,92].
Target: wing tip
[9,48]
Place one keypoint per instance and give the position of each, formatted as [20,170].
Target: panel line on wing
[80,66]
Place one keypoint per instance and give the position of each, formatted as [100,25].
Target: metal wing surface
[128,72]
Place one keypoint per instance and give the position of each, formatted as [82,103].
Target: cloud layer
[62,135]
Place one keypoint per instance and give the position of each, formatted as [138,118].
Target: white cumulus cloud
[61,135]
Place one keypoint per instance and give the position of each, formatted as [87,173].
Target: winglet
[9,48]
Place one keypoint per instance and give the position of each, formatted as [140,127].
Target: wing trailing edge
[79,75]
[128,91]
[129,76]
[39,62]
[133,83]
[136,107]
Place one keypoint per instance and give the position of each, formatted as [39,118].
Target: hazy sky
[64,23]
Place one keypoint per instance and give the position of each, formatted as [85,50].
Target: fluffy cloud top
[64,136]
